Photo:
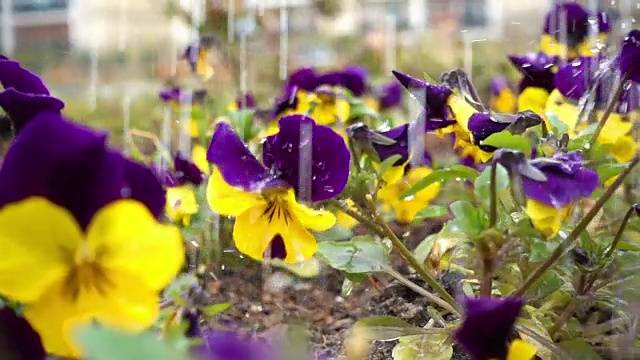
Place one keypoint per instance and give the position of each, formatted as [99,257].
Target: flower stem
[493,210]
[608,110]
[415,287]
[582,225]
[562,319]
[618,236]
[409,258]
[368,223]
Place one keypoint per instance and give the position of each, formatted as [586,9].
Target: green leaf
[242,122]
[423,249]
[387,328]
[335,233]
[215,309]
[607,171]
[469,218]
[482,185]
[362,254]
[537,328]
[420,347]
[507,140]
[106,344]
[578,349]
[456,172]
[387,164]
[433,211]
[557,126]
[358,109]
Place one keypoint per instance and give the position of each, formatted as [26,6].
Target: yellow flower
[263,218]
[547,219]
[202,66]
[329,108]
[407,208]
[534,99]
[181,204]
[272,129]
[113,272]
[345,220]
[199,157]
[505,102]
[521,350]
[372,103]
[190,126]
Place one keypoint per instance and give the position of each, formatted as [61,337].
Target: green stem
[370,224]
[562,319]
[618,236]
[493,210]
[608,111]
[582,225]
[413,286]
[410,259]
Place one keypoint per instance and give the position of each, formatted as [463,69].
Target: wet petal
[352,78]
[487,325]
[536,68]
[573,79]
[18,340]
[329,157]
[41,251]
[481,126]
[573,17]
[389,95]
[433,97]
[227,200]
[133,241]
[187,171]
[400,135]
[303,78]
[316,220]
[629,59]
[236,163]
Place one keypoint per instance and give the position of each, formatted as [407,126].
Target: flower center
[276,211]
[87,274]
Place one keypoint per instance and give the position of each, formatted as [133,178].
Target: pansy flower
[80,235]
[487,326]
[178,98]
[304,161]
[180,183]
[550,201]
[385,96]
[222,344]
[197,56]
[472,124]
[502,98]
[629,58]
[244,101]
[567,31]
[572,83]
[25,96]
[538,71]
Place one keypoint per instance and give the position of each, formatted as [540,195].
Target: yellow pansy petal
[505,102]
[406,209]
[521,350]
[228,200]
[133,241]
[124,303]
[545,218]
[624,149]
[38,241]
[256,228]
[181,203]
[461,110]
[199,157]
[345,221]
[343,110]
[372,103]
[533,99]
[316,220]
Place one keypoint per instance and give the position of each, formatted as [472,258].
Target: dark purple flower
[283,155]
[629,58]
[178,95]
[221,344]
[497,84]
[246,101]
[25,96]
[388,95]
[567,180]
[184,172]
[18,340]
[568,22]
[353,78]
[432,97]
[304,79]
[400,135]
[287,101]
[71,166]
[482,125]
[604,23]
[487,325]
[537,70]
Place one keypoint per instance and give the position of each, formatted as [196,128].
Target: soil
[268,300]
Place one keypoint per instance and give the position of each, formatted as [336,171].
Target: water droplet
[125,192]
[328,188]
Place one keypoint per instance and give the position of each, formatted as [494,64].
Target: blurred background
[100,54]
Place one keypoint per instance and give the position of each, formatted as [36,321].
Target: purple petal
[227,345]
[487,326]
[277,249]
[18,340]
[304,78]
[165,176]
[536,68]
[299,137]
[288,101]
[172,94]
[497,84]
[143,186]
[433,97]
[352,78]
[604,23]
[246,101]
[191,54]
[236,163]
[567,181]
[12,75]
[574,17]
[573,78]
[186,171]
[629,59]
[65,163]
[401,135]
[481,126]
[389,95]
